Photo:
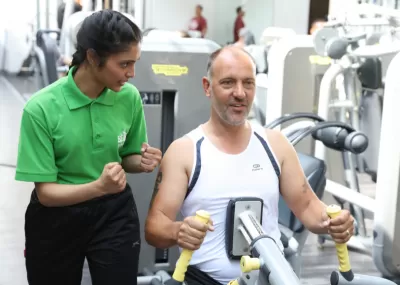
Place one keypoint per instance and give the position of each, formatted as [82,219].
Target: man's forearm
[313,217]
[60,195]
[161,232]
[131,163]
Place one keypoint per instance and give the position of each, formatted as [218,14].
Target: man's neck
[221,129]
[87,83]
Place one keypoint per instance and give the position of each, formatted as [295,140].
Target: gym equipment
[354,60]
[184,259]
[335,139]
[268,265]
[169,82]
[362,71]
[246,230]
[295,91]
[72,23]
[386,208]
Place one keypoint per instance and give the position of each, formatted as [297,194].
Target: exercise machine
[386,211]
[262,261]
[360,58]
[384,207]
[295,91]
[268,266]
[334,138]
[174,103]
[359,101]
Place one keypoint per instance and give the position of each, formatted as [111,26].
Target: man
[245,38]
[198,22]
[239,24]
[227,158]
[316,25]
[61,10]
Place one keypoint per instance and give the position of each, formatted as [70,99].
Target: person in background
[316,25]
[245,38]
[198,22]
[61,10]
[239,24]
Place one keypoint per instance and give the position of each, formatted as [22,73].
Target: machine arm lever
[294,116]
[186,255]
[345,276]
[336,135]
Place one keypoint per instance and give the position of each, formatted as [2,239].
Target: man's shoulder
[278,142]
[180,153]
[181,145]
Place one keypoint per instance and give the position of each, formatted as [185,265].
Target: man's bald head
[227,54]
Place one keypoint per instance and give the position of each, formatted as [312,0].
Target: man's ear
[206,86]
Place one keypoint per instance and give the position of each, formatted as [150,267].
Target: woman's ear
[92,57]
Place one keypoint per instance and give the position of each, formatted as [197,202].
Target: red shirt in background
[239,24]
[198,24]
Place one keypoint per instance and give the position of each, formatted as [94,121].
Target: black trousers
[195,276]
[105,230]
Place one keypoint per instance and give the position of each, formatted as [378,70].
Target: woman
[78,138]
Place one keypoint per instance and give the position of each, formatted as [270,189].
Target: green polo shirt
[66,137]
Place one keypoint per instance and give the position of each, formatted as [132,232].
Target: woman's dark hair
[105,32]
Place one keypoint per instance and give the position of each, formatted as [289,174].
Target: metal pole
[47,14]
[37,15]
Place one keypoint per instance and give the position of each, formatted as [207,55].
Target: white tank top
[218,177]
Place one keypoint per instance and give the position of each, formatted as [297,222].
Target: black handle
[294,116]
[338,136]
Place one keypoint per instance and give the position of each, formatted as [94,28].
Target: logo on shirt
[257,167]
[121,139]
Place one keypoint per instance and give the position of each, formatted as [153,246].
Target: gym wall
[277,13]
[221,15]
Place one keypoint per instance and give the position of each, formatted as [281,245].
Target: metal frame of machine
[295,91]
[384,207]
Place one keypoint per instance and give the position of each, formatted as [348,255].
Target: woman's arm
[131,163]
[111,181]
[59,195]
[36,163]
[136,138]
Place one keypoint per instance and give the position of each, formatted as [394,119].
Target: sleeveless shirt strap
[197,168]
[269,153]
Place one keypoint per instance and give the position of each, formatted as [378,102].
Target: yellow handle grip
[186,255]
[248,264]
[341,249]
[233,282]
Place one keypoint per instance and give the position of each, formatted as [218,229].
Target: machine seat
[314,169]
